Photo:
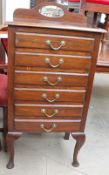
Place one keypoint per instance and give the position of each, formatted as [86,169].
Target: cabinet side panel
[97,37]
[11,51]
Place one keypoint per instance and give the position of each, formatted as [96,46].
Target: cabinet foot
[11,137]
[66,136]
[80,139]
[10,164]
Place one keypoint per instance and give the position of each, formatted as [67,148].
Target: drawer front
[54,126]
[48,111]
[50,79]
[49,96]
[53,42]
[52,61]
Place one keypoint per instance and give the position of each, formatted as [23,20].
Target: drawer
[48,111]
[53,42]
[49,96]
[48,126]
[52,61]
[50,79]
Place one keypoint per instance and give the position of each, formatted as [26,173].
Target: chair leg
[95,19]
[4,128]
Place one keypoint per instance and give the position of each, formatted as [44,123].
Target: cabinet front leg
[80,139]
[11,137]
[67,135]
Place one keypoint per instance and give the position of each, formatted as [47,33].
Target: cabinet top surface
[56,25]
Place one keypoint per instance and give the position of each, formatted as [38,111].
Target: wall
[8,8]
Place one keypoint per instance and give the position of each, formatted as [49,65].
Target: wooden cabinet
[51,70]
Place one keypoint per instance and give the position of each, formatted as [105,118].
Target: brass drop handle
[48,130]
[44,95]
[60,61]
[43,111]
[59,79]
[49,43]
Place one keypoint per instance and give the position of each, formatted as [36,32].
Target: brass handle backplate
[49,43]
[46,129]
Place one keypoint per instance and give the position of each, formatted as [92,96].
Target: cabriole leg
[80,139]
[67,135]
[11,137]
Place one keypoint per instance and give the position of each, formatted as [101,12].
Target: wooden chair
[3,94]
[100,6]
[95,6]
[4,41]
[3,102]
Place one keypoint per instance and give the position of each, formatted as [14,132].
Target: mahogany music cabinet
[52,60]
